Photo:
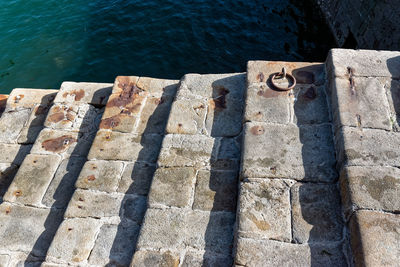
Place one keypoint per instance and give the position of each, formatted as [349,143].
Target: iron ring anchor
[282,75]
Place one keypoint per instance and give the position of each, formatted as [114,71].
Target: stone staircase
[211,170]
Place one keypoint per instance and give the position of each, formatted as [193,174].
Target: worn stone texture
[14,153]
[27,229]
[32,180]
[11,124]
[197,258]
[74,240]
[303,153]
[58,142]
[375,238]
[316,213]
[22,98]
[100,175]
[264,210]
[144,258]
[136,178]
[172,187]
[366,187]
[274,253]
[367,147]
[82,92]
[123,146]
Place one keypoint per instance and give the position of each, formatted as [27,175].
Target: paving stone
[264,104]
[216,191]
[136,178]
[27,229]
[370,188]
[11,124]
[304,72]
[86,203]
[375,238]
[155,258]
[13,153]
[316,213]
[100,175]
[210,231]
[303,153]
[368,147]
[274,253]
[365,63]
[33,179]
[264,210]
[187,117]
[197,259]
[123,146]
[82,92]
[114,245]
[73,117]
[310,105]
[172,187]
[74,240]
[361,104]
[20,98]
[162,229]
[62,187]
[154,116]
[52,141]
[186,150]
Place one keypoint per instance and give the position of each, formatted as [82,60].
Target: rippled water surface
[43,43]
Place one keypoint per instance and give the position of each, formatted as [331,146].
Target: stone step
[35,201]
[289,211]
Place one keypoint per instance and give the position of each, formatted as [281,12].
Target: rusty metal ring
[283,74]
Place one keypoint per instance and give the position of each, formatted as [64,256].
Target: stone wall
[367,24]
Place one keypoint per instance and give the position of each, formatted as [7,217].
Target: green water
[43,43]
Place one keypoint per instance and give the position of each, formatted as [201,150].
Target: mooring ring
[283,74]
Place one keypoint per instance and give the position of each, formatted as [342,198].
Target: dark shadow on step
[40,112]
[134,205]
[62,186]
[226,107]
[393,65]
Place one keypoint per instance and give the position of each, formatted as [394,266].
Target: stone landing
[211,170]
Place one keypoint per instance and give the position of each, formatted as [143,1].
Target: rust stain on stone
[91,178]
[78,94]
[58,144]
[310,94]
[56,117]
[110,123]
[260,77]
[219,101]
[304,77]
[257,130]
[269,93]
[8,210]
[17,193]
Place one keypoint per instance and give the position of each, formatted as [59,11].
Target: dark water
[43,43]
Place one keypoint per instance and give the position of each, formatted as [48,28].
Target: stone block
[316,213]
[114,245]
[364,63]
[163,229]
[368,147]
[199,258]
[186,150]
[82,92]
[302,153]
[13,153]
[274,253]
[216,191]
[157,87]
[123,146]
[33,178]
[310,105]
[100,175]
[187,117]
[375,238]
[52,141]
[264,104]
[172,187]
[372,188]
[361,103]
[62,187]
[304,72]
[11,124]
[145,258]
[20,98]
[74,240]
[264,210]
[154,115]
[136,178]
[27,229]
[85,203]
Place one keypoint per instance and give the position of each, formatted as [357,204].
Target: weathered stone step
[289,204]
[35,201]
[192,200]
